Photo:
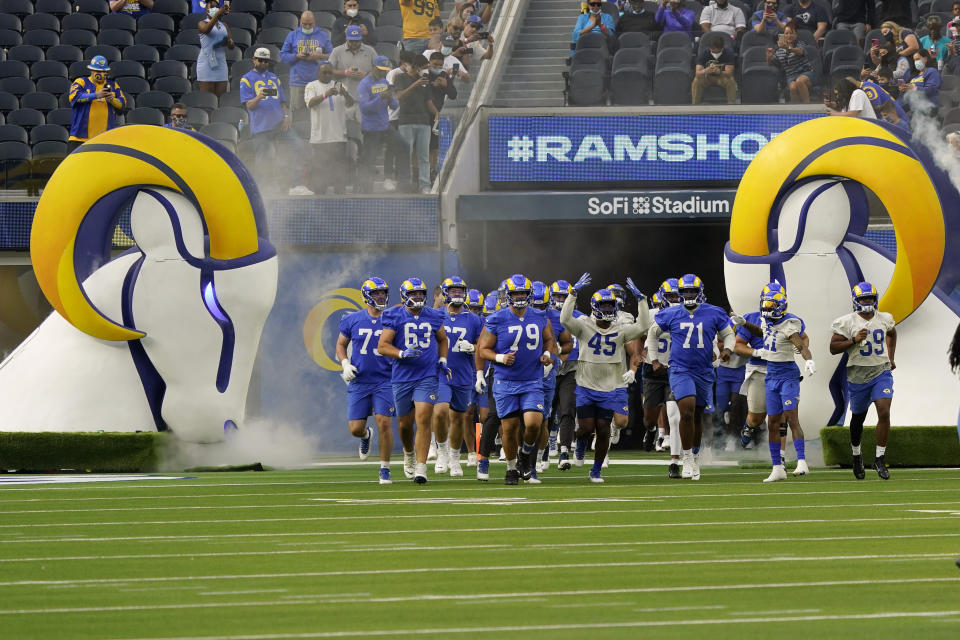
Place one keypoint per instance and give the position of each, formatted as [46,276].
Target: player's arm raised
[571,324]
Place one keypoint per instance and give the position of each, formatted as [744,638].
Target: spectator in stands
[449,48]
[178,117]
[768,20]
[809,15]
[328,102]
[133,8]
[263,96]
[353,59]
[376,97]
[303,49]
[854,15]
[215,37]
[722,16]
[935,42]
[441,88]
[477,41]
[926,83]
[714,67]
[96,103]
[888,112]
[396,157]
[885,55]
[485,14]
[417,14]
[418,115]
[846,98]
[593,21]
[351,16]
[792,60]
[635,17]
[436,34]
[672,16]
[884,78]
[905,40]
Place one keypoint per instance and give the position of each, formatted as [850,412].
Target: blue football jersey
[521,335]
[692,336]
[414,332]
[363,331]
[755,342]
[465,326]
[554,317]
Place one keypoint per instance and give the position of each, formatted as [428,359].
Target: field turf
[328,553]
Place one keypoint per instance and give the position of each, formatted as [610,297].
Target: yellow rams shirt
[417,14]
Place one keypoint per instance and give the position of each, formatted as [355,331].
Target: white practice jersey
[776,339]
[658,347]
[871,352]
[624,317]
[600,363]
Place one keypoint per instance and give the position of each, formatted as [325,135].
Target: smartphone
[456,70]
[268,91]
[875,42]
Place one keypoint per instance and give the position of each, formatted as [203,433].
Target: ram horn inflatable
[800,217]
[163,336]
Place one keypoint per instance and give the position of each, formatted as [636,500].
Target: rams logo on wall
[315,326]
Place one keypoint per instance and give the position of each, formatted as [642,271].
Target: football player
[631,360]
[693,327]
[519,341]
[656,377]
[783,335]
[367,373]
[487,408]
[600,366]
[750,343]
[413,335]
[450,413]
[869,338]
[565,397]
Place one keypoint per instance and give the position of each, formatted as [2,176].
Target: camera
[269,91]
[455,71]
[483,35]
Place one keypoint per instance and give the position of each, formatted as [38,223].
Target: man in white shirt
[720,15]
[328,101]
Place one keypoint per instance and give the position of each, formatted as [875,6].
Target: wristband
[345,363]
[501,358]
[757,353]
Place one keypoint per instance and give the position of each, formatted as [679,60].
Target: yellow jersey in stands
[417,14]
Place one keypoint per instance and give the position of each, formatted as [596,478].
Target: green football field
[328,553]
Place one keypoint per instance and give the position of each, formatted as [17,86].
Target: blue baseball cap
[475,19]
[383,63]
[99,63]
[354,33]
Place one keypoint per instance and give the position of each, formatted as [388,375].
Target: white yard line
[511,567]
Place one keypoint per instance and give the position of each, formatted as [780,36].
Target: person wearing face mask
[328,102]
[351,16]
[352,61]
[303,49]
[416,15]
[634,17]
[178,117]
[722,16]
[714,67]
[133,8]
[926,83]
[377,98]
[442,87]
[96,103]
[417,115]
[482,8]
[593,21]
[449,47]
[215,37]
[477,41]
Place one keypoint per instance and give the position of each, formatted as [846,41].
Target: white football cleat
[687,471]
[503,456]
[695,468]
[440,466]
[432,453]
[614,434]
[606,461]
[779,473]
[409,465]
[542,466]
[661,440]
[802,468]
[471,459]
[456,471]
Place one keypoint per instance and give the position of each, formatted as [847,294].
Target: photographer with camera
[96,103]
[328,101]
[455,54]
[464,10]
[215,38]
[265,101]
[714,67]
[377,99]
[418,115]
[479,43]
[352,61]
[351,16]
[791,58]
[442,87]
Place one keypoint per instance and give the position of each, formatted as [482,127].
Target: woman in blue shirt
[935,40]
[927,82]
[212,71]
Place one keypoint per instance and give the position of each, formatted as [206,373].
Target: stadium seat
[805,36]
[62,116]
[239,69]
[46,157]
[592,41]
[759,81]
[844,60]
[325,20]
[15,164]
[159,21]
[78,70]
[26,117]
[142,53]
[188,36]
[388,49]
[673,39]
[116,37]
[634,40]
[727,41]
[243,21]
[122,68]
[155,100]
[58,8]
[173,85]
[133,85]
[273,35]
[13,133]
[274,50]
[53,85]
[329,6]
[46,132]
[109,52]
[585,87]
[256,8]
[11,22]
[26,53]
[200,100]
[145,115]
[197,117]
[751,38]
[289,6]
[230,115]
[176,9]
[376,7]
[168,68]
[14,69]
[47,69]
[78,21]
[96,8]
[78,38]
[120,21]
[10,38]
[630,77]
[19,8]
[9,102]
[230,99]
[389,34]
[871,35]
[185,53]
[41,21]
[838,37]
[394,5]
[390,19]
[242,39]
[191,21]
[3,118]
[952,116]
[65,53]
[280,20]
[236,54]
[39,100]
[17,86]
[672,76]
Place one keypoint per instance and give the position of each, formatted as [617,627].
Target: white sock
[688,453]
[675,445]
[880,450]
[384,465]
[443,448]
[856,449]
[512,465]
[660,431]
[564,449]
[421,470]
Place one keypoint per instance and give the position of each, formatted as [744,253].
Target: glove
[810,367]
[547,368]
[763,354]
[349,371]
[634,289]
[462,346]
[409,354]
[582,282]
[444,369]
[481,385]
[738,321]
[629,377]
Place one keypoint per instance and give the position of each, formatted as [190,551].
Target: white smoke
[272,444]
[926,131]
